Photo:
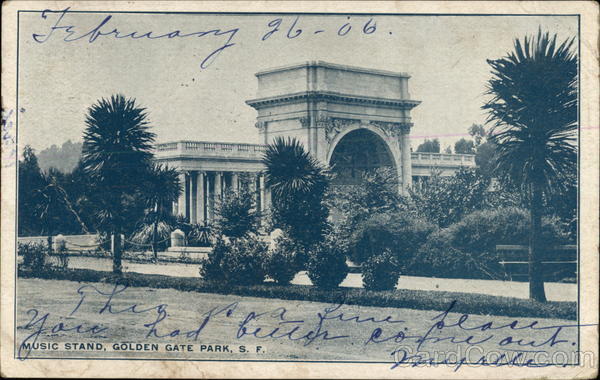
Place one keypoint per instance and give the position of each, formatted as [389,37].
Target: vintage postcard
[300,189]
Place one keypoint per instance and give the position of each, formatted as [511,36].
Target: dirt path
[554,291]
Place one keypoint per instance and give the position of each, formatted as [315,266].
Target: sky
[58,80]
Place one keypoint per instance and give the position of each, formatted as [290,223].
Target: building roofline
[333,96]
[356,69]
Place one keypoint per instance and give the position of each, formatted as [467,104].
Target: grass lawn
[186,311]
[401,298]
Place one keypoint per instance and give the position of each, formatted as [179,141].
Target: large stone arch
[318,103]
[389,143]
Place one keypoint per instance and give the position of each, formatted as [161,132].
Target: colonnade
[203,190]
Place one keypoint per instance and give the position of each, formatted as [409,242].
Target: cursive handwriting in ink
[108,307]
[39,326]
[227,311]
[295,330]
[71,33]
[283,331]
[502,338]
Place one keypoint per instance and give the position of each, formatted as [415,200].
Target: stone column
[252,188]
[224,185]
[189,194]
[193,198]
[209,199]
[262,193]
[182,196]
[267,198]
[200,216]
[406,157]
[235,182]
[218,186]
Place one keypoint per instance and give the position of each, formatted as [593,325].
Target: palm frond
[116,139]
[290,169]
[161,185]
[533,111]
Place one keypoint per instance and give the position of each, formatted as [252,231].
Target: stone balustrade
[442,159]
[210,149]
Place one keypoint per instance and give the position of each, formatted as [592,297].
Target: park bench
[559,262]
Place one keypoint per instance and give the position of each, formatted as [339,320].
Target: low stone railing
[442,159]
[206,148]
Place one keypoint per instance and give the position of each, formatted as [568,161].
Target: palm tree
[533,113]
[116,152]
[298,183]
[162,188]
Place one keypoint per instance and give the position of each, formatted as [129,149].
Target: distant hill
[64,158]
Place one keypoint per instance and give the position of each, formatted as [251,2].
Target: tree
[429,146]
[63,158]
[446,200]
[376,193]
[464,146]
[161,189]
[56,211]
[116,153]
[533,113]
[298,185]
[485,158]
[31,182]
[236,215]
[82,194]
[477,131]
[484,150]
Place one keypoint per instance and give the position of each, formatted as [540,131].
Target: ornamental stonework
[261,126]
[392,130]
[333,126]
[304,122]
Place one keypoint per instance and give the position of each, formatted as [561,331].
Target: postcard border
[579,77]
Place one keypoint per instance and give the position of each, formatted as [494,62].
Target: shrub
[210,267]
[200,235]
[236,262]
[34,255]
[298,184]
[281,263]
[236,215]
[326,265]
[380,272]
[445,200]
[400,232]
[142,237]
[438,258]
[467,249]
[375,193]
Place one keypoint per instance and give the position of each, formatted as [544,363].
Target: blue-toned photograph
[398,190]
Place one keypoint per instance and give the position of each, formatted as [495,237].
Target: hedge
[467,249]
[400,298]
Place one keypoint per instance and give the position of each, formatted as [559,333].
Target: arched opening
[357,153]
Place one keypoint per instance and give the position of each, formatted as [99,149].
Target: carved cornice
[404,104]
